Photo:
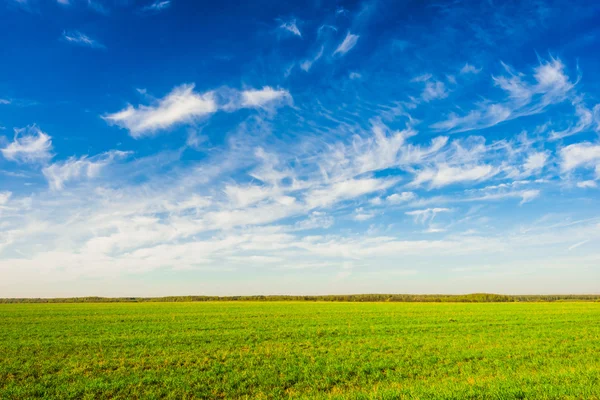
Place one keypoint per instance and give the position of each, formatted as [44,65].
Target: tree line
[408,298]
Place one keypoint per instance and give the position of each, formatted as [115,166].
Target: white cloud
[551,86]
[469,69]
[578,244]
[78,38]
[535,162]
[345,190]
[380,150]
[97,7]
[61,172]
[362,215]
[315,220]
[5,101]
[551,76]
[291,26]
[444,175]
[181,105]
[585,120]
[184,105]
[4,197]
[587,184]
[578,155]
[528,195]
[421,78]
[158,6]
[195,139]
[181,220]
[426,215]
[243,196]
[260,98]
[29,145]
[434,90]
[354,75]
[476,119]
[597,117]
[306,65]
[347,45]
[398,198]
[516,89]
[500,192]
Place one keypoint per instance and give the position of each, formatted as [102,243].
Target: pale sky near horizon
[185,147]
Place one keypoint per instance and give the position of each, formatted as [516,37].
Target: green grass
[300,350]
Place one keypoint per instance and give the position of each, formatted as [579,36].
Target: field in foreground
[300,350]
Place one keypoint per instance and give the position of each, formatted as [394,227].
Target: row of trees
[467,298]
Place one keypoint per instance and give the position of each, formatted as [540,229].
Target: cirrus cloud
[29,145]
[184,105]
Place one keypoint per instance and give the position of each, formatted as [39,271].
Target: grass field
[300,350]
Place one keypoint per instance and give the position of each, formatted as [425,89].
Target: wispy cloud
[587,184]
[422,78]
[525,195]
[578,155]
[73,168]
[434,90]
[444,175]
[291,27]
[80,39]
[469,69]
[576,245]
[348,189]
[184,105]
[24,5]
[157,6]
[362,215]
[535,162]
[347,44]
[4,197]
[551,85]
[476,119]
[29,145]
[306,65]
[398,198]
[585,120]
[97,7]
[181,105]
[426,215]
[260,98]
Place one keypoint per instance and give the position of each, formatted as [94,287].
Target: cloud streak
[290,26]
[550,86]
[183,105]
[81,39]
[59,173]
[347,44]
[157,6]
[29,145]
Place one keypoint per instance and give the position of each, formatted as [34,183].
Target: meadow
[322,350]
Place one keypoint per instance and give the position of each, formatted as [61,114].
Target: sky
[216,148]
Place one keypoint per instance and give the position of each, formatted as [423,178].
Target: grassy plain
[300,350]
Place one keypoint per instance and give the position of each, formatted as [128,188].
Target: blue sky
[185,147]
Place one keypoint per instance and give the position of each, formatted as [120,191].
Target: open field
[300,350]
